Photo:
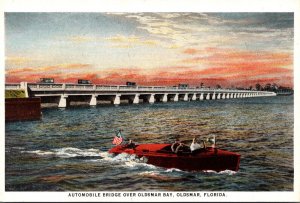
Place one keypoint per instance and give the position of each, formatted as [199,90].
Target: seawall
[20,109]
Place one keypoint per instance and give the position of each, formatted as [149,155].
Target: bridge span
[63,94]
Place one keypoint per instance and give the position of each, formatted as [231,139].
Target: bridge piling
[194,97]
[152,99]
[176,97]
[213,96]
[224,96]
[165,98]
[93,101]
[186,97]
[117,99]
[201,96]
[63,101]
[208,96]
[136,99]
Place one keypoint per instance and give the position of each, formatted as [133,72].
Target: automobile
[81,81]
[46,80]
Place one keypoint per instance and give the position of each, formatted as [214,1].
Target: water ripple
[67,149]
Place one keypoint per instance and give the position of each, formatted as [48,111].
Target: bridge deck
[91,93]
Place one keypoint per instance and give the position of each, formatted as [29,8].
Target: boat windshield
[166,149]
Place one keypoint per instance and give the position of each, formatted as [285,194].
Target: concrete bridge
[63,94]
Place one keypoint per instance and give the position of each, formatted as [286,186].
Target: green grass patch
[14,94]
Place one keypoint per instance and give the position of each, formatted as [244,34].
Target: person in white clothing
[194,146]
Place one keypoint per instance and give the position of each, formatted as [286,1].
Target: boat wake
[131,162]
[227,172]
[68,152]
[94,155]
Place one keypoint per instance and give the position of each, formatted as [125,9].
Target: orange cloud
[192,77]
[226,67]
[242,58]
[47,69]
[239,66]
[190,51]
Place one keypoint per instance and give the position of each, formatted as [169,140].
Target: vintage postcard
[172,104]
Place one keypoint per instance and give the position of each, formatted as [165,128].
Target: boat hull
[205,159]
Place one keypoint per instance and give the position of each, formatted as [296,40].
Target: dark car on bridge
[130,83]
[80,81]
[183,86]
[46,80]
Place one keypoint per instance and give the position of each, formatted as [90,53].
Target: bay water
[67,150]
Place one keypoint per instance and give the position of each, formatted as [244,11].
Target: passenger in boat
[179,147]
[130,144]
[203,144]
[194,146]
[175,145]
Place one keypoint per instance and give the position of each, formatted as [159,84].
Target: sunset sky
[229,49]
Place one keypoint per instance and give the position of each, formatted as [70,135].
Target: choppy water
[67,149]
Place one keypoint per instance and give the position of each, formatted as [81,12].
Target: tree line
[267,87]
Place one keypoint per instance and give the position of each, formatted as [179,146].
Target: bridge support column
[165,98]
[176,97]
[201,96]
[224,96]
[152,99]
[208,96]
[136,99]
[219,96]
[25,87]
[194,97]
[93,101]
[63,101]
[228,96]
[213,96]
[117,100]
[186,97]
[231,95]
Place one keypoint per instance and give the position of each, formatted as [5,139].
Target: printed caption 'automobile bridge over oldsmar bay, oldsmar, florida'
[63,94]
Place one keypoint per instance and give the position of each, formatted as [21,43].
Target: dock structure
[63,94]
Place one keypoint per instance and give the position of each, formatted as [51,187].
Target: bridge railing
[12,86]
[55,86]
[91,87]
[106,87]
[78,87]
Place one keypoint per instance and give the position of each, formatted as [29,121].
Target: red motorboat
[161,155]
